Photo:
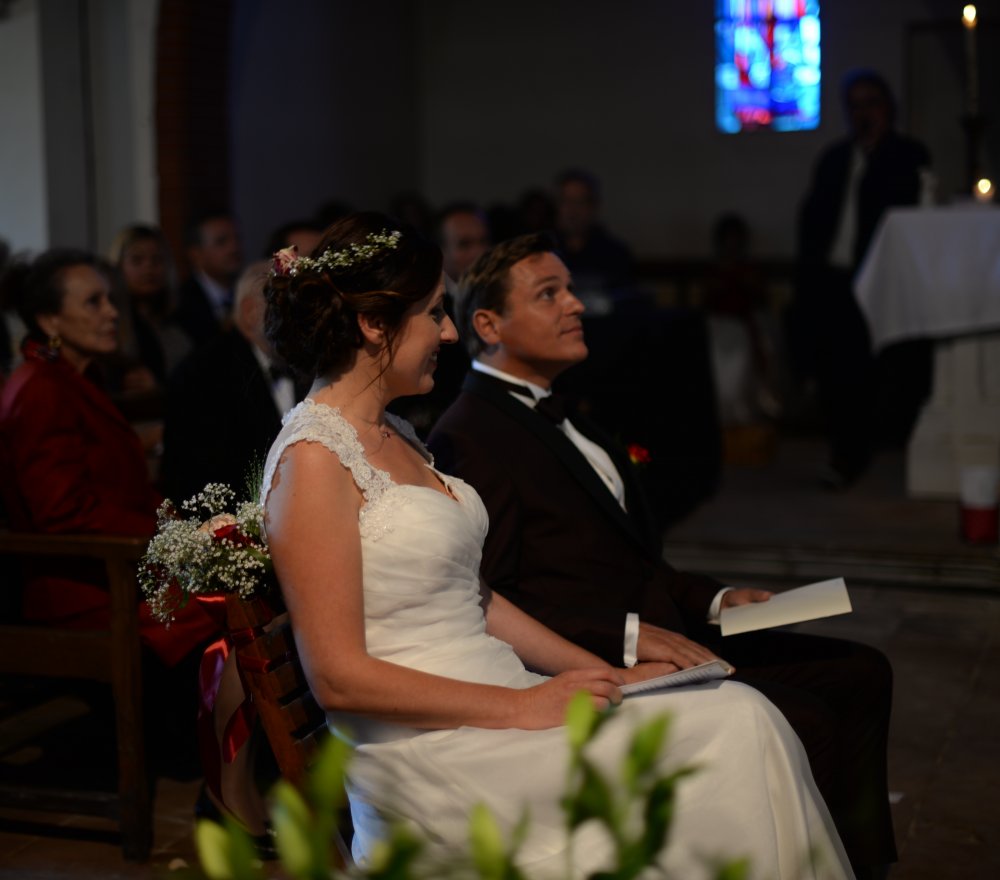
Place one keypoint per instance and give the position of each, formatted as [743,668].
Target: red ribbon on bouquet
[239,724]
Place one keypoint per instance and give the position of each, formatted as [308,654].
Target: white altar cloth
[935,272]
[932,272]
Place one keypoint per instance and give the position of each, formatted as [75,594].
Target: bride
[452,695]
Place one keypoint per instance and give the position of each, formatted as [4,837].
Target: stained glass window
[767,70]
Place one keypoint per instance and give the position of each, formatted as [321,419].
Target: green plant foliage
[226,851]
[326,776]
[296,832]
[491,859]
[212,842]
[397,858]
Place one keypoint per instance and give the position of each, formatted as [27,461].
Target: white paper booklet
[692,675]
[823,599]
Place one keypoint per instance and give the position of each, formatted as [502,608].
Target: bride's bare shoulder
[310,468]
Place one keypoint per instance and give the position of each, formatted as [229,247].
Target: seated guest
[536,212]
[411,207]
[145,296]
[464,235]
[215,255]
[71,464]
[225,402]
[301,234]
[603,268]
[742,340]
[418,662]
[571,541]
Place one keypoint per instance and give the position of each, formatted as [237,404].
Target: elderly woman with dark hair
[69,461]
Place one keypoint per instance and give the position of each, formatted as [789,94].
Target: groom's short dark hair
[487,282]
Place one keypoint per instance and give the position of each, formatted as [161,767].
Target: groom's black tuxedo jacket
[559,545]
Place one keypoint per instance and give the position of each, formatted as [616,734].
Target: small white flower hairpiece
[288,262]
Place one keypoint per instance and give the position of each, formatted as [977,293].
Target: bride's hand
[544,705]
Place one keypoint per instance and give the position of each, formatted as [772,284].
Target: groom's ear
[486,323]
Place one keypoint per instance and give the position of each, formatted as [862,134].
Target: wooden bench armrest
[125,547]
[120,555]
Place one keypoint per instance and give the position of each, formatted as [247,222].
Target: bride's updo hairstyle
[366,264]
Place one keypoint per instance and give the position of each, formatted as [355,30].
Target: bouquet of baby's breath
[211,551]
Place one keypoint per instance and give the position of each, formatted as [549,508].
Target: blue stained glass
[767,65]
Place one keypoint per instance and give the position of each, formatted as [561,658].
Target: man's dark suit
[867,401]
[561,548]
[221,418]
[195,314]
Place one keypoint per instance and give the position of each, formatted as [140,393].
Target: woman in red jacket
[69,461]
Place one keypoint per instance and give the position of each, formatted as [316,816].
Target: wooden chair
[292,720]
[111,656]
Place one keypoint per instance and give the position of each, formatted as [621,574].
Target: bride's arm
[312,527]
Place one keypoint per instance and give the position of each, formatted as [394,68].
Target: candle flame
[969,16]
[984,186]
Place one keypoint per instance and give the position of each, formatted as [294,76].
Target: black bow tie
[554,407]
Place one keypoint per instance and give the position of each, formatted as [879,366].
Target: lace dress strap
[314,422]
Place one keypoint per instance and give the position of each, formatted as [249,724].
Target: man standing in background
[864,400]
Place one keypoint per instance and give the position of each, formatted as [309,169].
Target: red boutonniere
[638,455]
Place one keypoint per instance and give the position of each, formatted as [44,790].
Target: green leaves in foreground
[226,852]
[491,859]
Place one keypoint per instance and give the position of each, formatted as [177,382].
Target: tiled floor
[903,561]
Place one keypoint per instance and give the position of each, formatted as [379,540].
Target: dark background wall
[514,91]
[353,100]
[324,106]
[482,100]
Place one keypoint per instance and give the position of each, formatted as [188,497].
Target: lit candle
[970,19]
[983,190]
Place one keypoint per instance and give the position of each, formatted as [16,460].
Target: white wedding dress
[753,794]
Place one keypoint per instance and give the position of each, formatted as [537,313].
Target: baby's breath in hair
[288,262]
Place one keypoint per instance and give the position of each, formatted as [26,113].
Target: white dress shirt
[842,248]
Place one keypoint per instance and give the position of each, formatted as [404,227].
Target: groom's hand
[744,596]
[665,646]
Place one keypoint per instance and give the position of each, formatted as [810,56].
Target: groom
[572,542]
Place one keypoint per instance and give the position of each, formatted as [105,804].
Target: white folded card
[823,599]
[692,675]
